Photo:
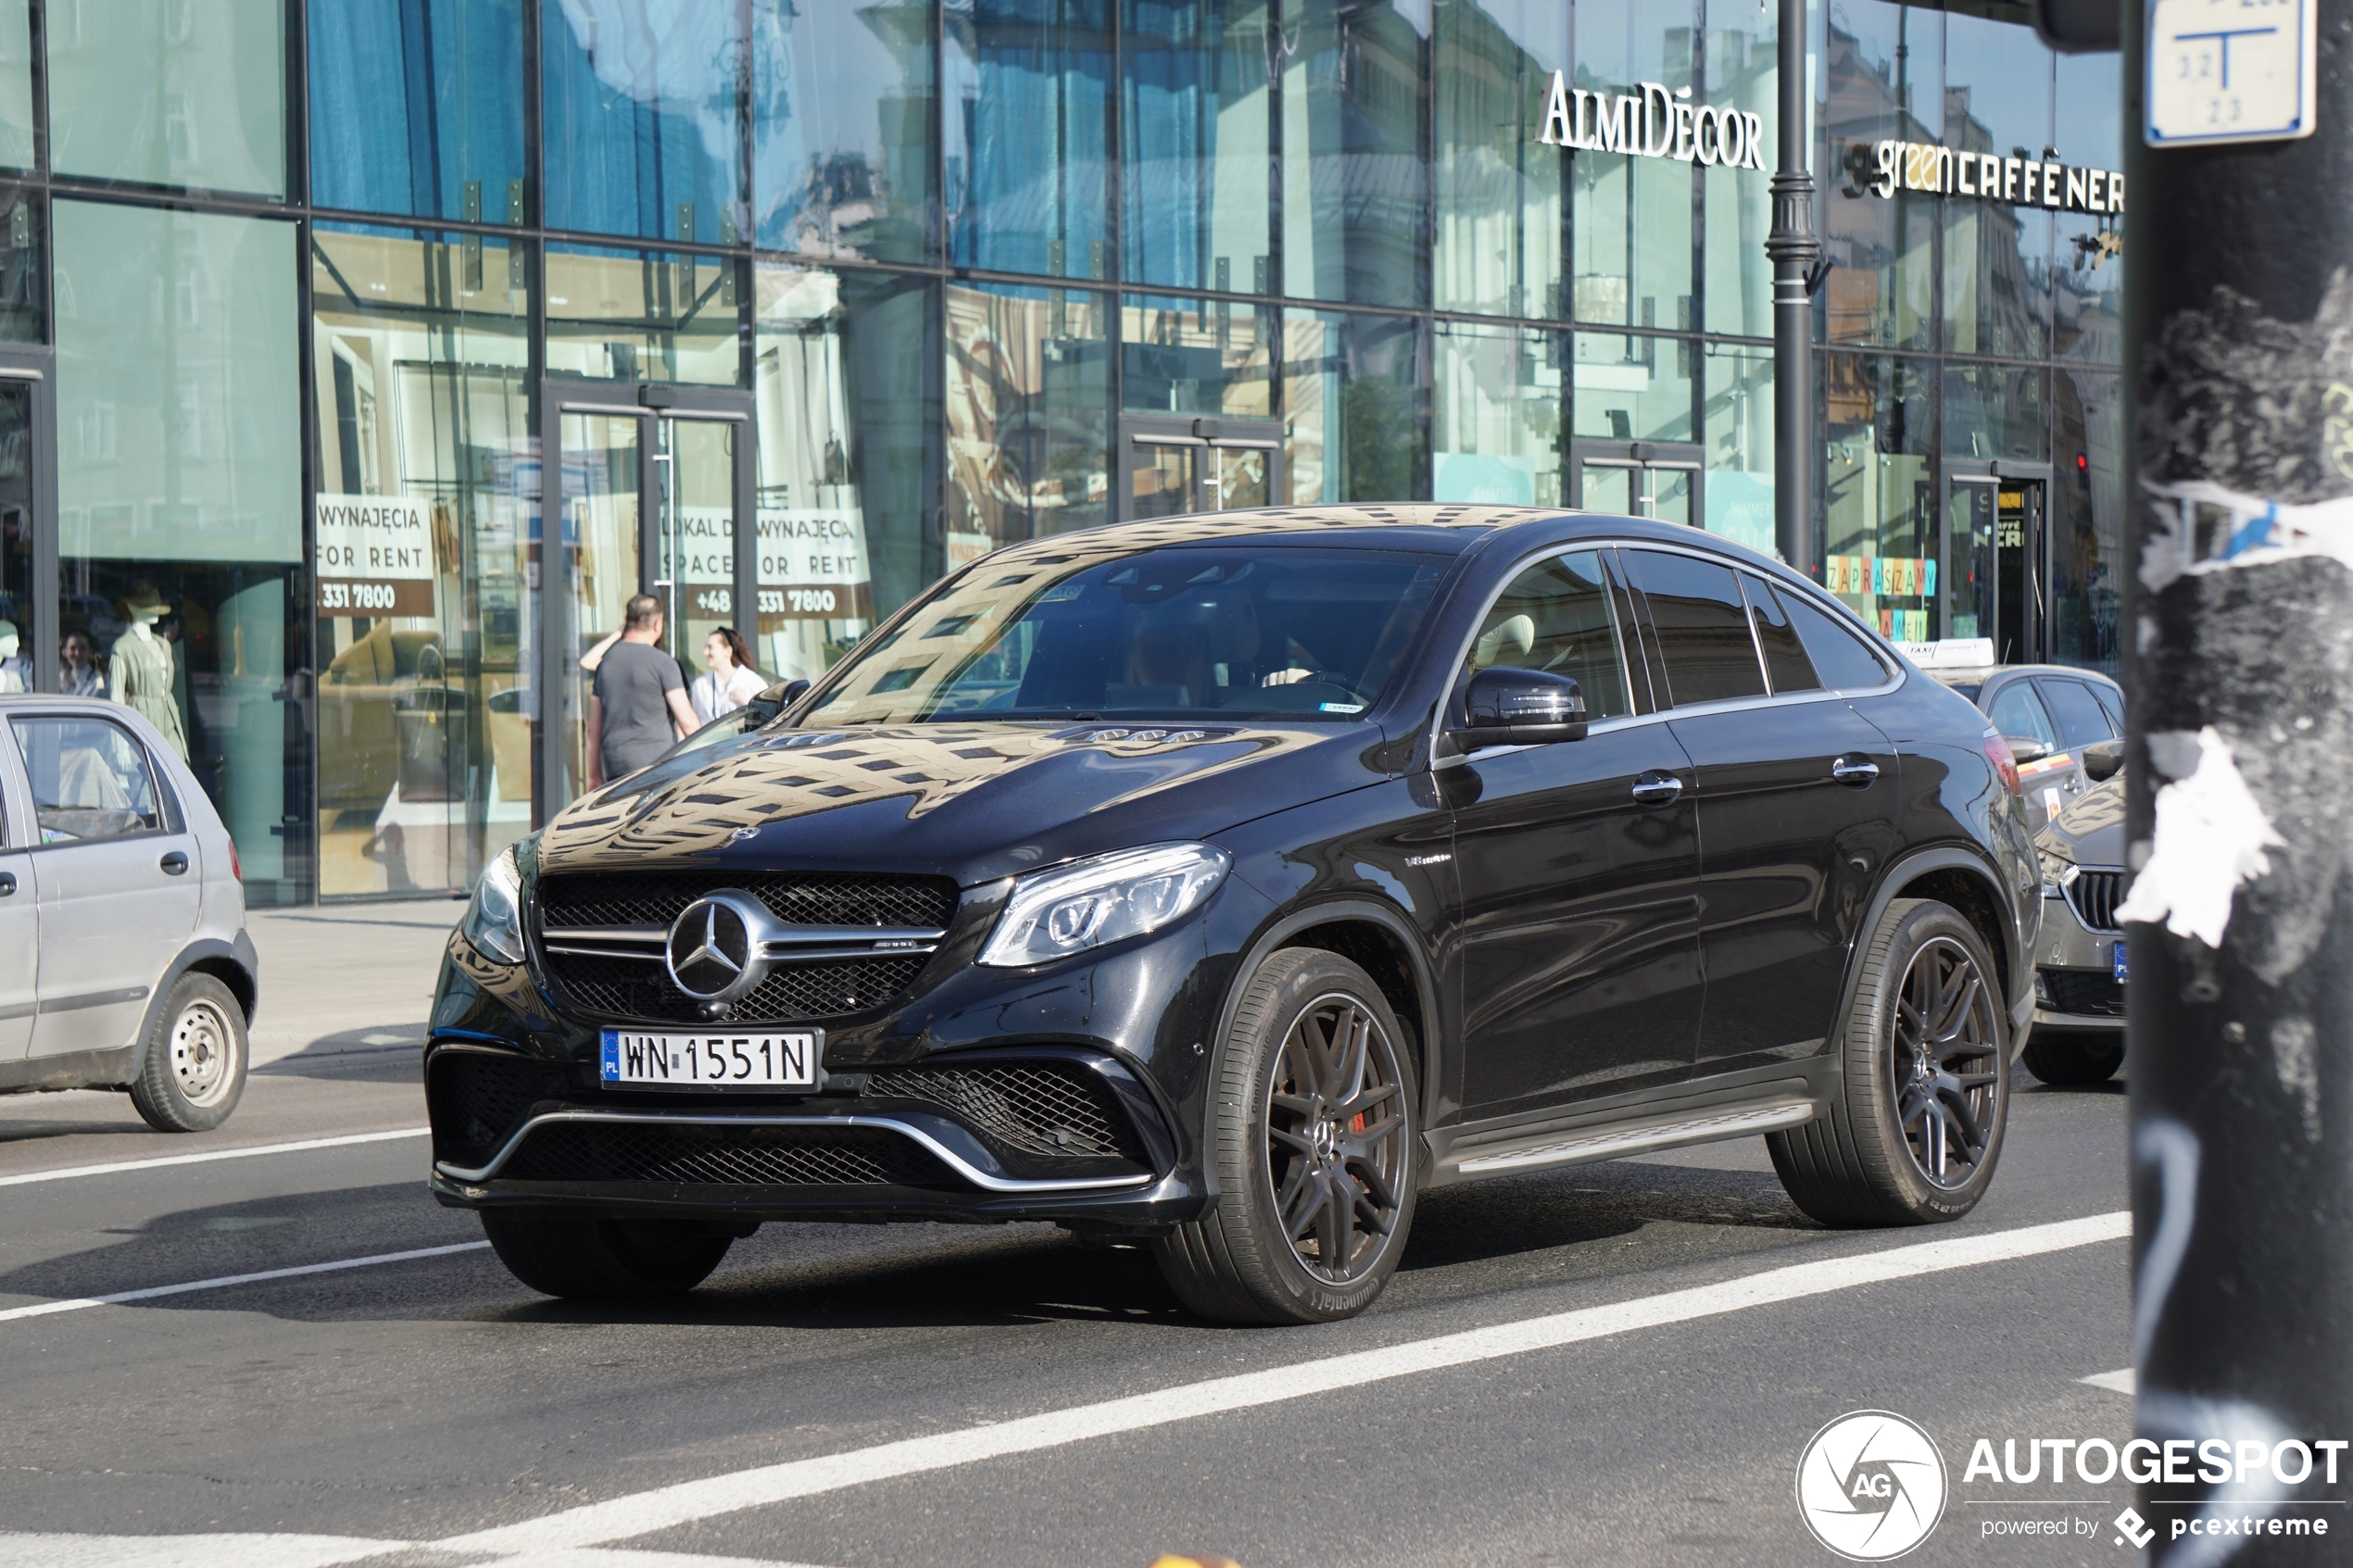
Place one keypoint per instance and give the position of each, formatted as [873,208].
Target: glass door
[603,462]
[655,493]
[25,619]
[1651,479]
[695,480]
[1993,572]
[1173,466]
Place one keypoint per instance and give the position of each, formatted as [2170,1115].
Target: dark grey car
[2080,961]
[2049,714]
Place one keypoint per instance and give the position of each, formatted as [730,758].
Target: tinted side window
[2081,720]
[1555,615]
[1703,627]
[1785,659]
[90,780]
[2017,712]
[1842,660]
[2111,703]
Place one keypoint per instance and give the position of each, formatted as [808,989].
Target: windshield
[1296,632]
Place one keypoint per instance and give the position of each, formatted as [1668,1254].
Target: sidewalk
[345,983]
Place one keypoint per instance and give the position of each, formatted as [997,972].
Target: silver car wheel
[202,1053]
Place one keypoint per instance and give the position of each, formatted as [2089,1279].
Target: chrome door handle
[1657,789]
[1856,771]
[174,863]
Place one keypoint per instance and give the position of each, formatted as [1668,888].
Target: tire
[194,1070]
[1314,1095]
[604,1259]
[2074,1059]
[1900,1145]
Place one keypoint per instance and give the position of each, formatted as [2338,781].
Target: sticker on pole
[2230,70]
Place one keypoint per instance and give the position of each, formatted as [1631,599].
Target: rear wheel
[2058,1058]
[194,1069]
[593,1259]
[1312,1136]
[1914,1130]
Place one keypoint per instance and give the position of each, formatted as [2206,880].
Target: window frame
[1661,677]
[2027,682]
[169,822]
[1649,670]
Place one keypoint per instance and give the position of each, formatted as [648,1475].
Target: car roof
[2001,674]
[1448,529]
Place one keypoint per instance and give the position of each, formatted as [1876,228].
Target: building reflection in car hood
[707,802]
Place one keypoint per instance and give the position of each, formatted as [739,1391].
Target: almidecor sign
[1881,168]
[1654,120]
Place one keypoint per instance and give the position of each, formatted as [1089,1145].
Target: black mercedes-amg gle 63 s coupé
[1218,883]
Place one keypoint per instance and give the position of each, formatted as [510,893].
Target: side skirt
[1735,1104]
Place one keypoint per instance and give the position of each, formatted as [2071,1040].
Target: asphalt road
[862,1396]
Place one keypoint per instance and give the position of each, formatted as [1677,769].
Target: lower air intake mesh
[723,1156]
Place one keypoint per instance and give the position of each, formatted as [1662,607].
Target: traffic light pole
[1793,248]
[2238,639]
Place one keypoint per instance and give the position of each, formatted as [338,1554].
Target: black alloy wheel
[1335,1133]
[1912,1130]
[1943,1045]
[1311,1143]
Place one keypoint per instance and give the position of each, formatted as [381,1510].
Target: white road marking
[2116,1382]
[69,1171]
[311,1551]
[666,1507]
[42,1309]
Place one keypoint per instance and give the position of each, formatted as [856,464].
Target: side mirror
[1508,706]
[2103,760]
[772,701]
[2025,749]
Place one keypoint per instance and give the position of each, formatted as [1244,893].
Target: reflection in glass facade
[789,308]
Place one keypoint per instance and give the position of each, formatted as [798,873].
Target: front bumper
[2075,984]
[1070,1093]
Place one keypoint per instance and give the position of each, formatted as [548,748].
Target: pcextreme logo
[1870,1486]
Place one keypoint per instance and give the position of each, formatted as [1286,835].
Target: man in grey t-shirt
[639,707]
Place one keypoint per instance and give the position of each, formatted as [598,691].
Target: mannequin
[140,666]
[11,667]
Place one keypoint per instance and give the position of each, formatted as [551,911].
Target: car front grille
[585,899]
[632,907]
[632,989]
[2094,896]
[2086,993]
[702,1154]
[476,1099]
[1048,1108]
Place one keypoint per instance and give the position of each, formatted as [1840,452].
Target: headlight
[1108,899]
[494,920]
[2057,872]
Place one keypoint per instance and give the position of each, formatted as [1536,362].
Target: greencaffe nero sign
[1654,120]
[1881,168]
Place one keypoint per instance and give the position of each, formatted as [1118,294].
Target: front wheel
[600,1260]
[1312,1136]
[1912,1133]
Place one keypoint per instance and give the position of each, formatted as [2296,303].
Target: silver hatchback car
[124,962]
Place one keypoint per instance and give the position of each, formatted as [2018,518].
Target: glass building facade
[392,344]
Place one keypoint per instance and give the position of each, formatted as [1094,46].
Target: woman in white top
[730,680]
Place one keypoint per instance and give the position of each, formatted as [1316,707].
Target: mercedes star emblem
[713,950]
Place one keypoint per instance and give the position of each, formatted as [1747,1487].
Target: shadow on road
[821,1276]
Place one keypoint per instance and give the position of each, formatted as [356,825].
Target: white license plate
[713,1061]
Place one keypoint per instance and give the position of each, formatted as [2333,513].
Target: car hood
[971,801]
[2090,832]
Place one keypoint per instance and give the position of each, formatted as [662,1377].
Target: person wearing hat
[140,666]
